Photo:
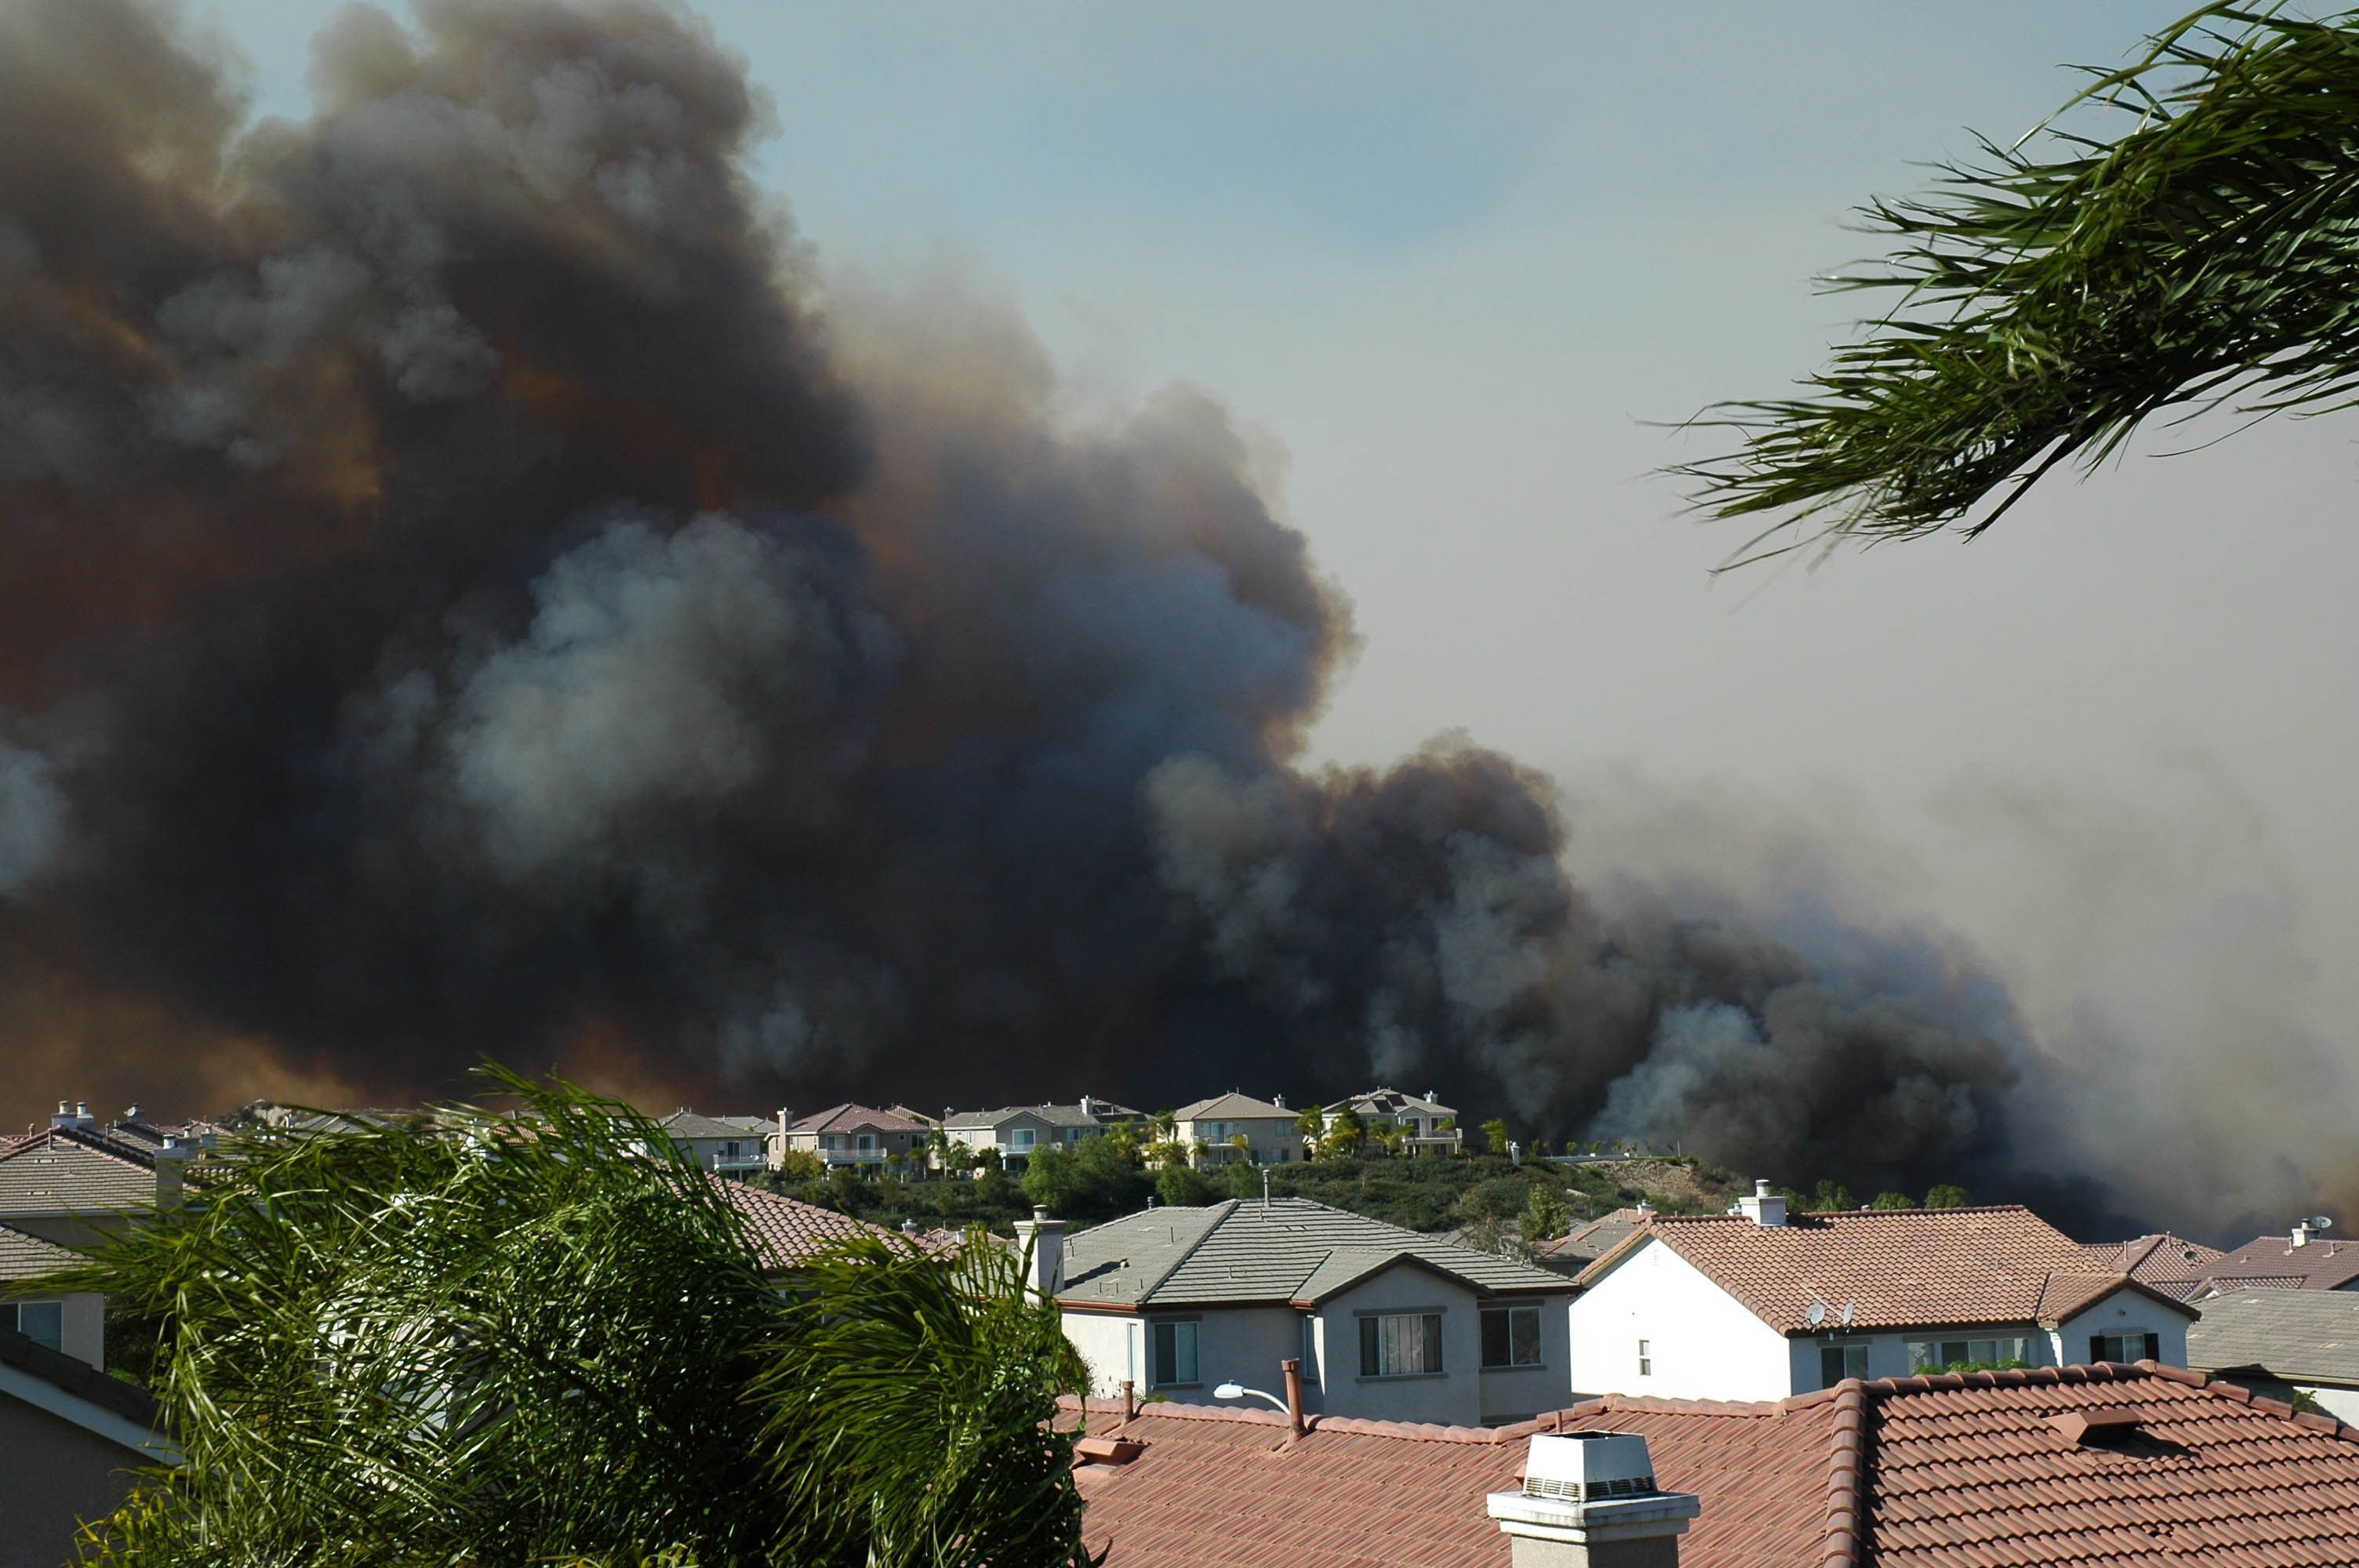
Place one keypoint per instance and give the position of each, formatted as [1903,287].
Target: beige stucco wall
[52,1476]
[1269,1140]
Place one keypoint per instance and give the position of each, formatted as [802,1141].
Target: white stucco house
[1428,1125]
[1761,1304]
[860,1136]
[1387,1324]
[1271,1132]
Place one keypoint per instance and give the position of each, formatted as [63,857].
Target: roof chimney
[1589,1501]
[1089,1106]
[2301,1233]
[1279,1100]
[1043,1240]
[64,1117]
[1763,1207]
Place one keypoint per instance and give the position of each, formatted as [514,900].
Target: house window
[2123,1348]
[1511,1337]
[1310,1351]
[1940,1354]
[1020,1138]
[1400,1344]
[1175,1353]
[867,1142]
[1646,1358]
[44,1323]
[1837,1362]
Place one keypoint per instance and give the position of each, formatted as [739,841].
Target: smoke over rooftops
[463,598]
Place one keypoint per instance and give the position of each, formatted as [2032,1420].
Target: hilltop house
[1268,1129]
[2135,1466]
[1016,1130]
[1763,1306]
[856,1135]
[2302,1260]
[731,1145]
[1428,1125]
[2283,1342]
[1386,1323]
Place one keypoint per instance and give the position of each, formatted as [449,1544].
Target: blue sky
[1452,258]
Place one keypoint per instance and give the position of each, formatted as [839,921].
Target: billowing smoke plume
[461,596]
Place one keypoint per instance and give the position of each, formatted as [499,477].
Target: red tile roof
[849,1117]
[787,1231]
[1972,1470]
[1895,1268]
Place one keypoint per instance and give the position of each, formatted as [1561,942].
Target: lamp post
[1291,1404]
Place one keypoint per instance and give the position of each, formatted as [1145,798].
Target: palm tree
[540,1335]
[2053,297]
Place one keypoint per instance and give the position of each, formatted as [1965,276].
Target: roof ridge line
[1841,1530]
[1193,1247]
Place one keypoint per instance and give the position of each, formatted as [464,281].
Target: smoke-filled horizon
[465,597]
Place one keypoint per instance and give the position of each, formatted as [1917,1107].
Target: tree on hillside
[1891,1200]
[1946,1197]
[1546,1215]
[515,1338]
[1831,1195]
[2053,297]
[1345,1134]
[1180,1186]
[1313,1125]
[1494,1135]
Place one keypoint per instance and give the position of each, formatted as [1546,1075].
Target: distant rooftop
[1234,1106]
[2295,1336]
[1893,1268]
[1092,1112]
[1289,1249]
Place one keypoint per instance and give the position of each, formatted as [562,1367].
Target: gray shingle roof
[1391,1102]
[1234,1106]
[1289,1250]
[63,1170]
[685,1123]
[23,1256]
[2302,1337]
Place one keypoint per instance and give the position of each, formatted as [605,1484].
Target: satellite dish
[1847,1314]
[1814,1315]
[2318,1222]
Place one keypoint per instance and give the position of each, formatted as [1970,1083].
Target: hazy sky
[1454,259]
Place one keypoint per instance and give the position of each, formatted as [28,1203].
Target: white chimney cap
[1590,1488]
[1583,1466]
[1761,1187]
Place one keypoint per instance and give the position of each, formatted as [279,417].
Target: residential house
[856,1135]
[2283,1342]
[1591,1239]
[2302,1260]
[1386,1323]
[1761,1304]
[1016,1130]
[1427,1126]
[73,1181]
[2138,1467]
[1233,1127]
[70,1437]
[2171,1264]
[70,1322]
[731,1145]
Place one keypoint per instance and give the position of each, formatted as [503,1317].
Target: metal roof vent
[1595,1491]
[2097,1427]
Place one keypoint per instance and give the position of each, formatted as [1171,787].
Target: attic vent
[1588,1491]
[2097,1427]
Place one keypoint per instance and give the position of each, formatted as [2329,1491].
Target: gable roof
[1958,1470]
[2298,1337]
[1896,1268]
[1591,1239]
[1099,1113]
[848,1118]
[1234,1106]
[1391,1102]
[2275,1260]
[23,1256]
[1289,1250]
[787,1231]
[66,1170]
[2161,1258]
[686,1123]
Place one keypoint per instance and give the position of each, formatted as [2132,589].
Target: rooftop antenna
[1264,1187]
[1814,1315]
[2320,1222]
[1846,1314]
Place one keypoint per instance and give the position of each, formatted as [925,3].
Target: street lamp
[1239,1391]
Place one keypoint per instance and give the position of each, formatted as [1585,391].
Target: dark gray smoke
[461,598]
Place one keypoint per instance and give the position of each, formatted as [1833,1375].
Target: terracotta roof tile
[1895,1268]
[851,1117]
[1945,1471]
[787,1231]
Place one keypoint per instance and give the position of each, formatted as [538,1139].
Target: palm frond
[2054,296]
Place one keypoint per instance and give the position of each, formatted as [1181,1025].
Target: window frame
[1509,1312]
[1835,1358]
[2151,1341]
[56,1314]
[1193,1326]
[1430,1342]
[2023,1346]
[1646,1358]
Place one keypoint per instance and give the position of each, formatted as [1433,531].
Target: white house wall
[1109,1344]
[1702,1343]
[2342,1404]
[2124,1312]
